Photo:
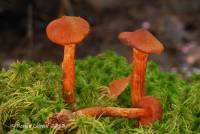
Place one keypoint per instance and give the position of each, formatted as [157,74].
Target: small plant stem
[68,76]
[138,77]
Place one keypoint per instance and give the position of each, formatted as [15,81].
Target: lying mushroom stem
[149,110]
[113,112]
[64,116]
[68,70]
[139,64]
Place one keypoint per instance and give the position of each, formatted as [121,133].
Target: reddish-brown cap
[154,107]
[142,40]
[67,30]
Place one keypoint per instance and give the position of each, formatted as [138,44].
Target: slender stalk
[68,73]
[64,116]
[138,77]
[113,112]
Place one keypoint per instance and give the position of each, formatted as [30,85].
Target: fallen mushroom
[143,43]
[149,110]
[116,87]
[67,31]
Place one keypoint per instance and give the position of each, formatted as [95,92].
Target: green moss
[30,92]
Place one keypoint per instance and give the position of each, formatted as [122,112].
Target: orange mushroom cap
[154,107]
[67,30]
[142,40]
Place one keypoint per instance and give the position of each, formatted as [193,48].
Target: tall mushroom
[67,31]
[149,110]
[143,43]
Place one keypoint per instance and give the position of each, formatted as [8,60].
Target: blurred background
[176,23]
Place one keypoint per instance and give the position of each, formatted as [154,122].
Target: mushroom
[143,43]
[149,110]
[67,31]
[116,87]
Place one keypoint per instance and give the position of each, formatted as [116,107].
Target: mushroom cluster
[67,31]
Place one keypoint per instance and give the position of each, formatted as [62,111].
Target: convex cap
[142,40]
[154,107]
[67,30]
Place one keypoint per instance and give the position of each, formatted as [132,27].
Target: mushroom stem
[149,110]
[68,73]
[113,112]
[64,116]
[139,64]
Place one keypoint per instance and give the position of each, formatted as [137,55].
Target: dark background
[176,23]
